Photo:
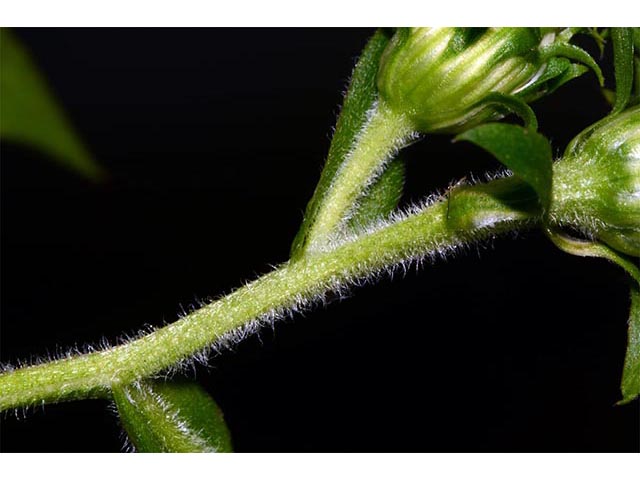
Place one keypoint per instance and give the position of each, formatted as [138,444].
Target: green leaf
[575,53]
[513,104]
[359,99]
[556,66]
[29,113]
[574,70]
[382,197]
[524,152]
[172,416]
[557,72]
[479,206]
[630,386]
[623,64]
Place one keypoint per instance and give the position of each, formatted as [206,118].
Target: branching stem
[478,213]
[384,134]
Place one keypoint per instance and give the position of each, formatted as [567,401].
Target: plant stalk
[384,134]
[466,214]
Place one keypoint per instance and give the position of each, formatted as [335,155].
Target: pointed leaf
[358,100]
[173,416]
[29,113]
[623,63]
[526,153]
[382,197]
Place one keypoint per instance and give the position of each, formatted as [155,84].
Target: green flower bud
[597,183]
[449,79]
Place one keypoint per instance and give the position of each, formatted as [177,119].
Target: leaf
[513,104]
[574,70]
[557,72]
[173,416]
[575,53]
[526,153]
[482,205]
[623,66]
[382,197]
[29,113]
[359,99]
[556,66]
[630,386]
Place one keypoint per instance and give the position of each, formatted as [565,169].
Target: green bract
[597,182]
[448,79]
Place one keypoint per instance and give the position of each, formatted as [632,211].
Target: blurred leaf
[173,416]
[524,152]
[382,197]
[359,99]
[29,113]
[631,373]
[623,64]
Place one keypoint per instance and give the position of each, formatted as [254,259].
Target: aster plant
[408,84]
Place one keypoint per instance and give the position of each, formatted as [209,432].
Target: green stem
[384,134]
[467,214]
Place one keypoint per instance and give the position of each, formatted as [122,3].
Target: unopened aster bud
[596,184]
[450,79]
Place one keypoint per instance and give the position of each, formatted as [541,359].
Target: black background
[214,140]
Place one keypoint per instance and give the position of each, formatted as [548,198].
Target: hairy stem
[384,133]
[465,215]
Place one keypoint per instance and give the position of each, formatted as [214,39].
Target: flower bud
[597,183]
[447,79]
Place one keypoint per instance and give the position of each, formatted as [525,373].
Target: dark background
[214,140]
